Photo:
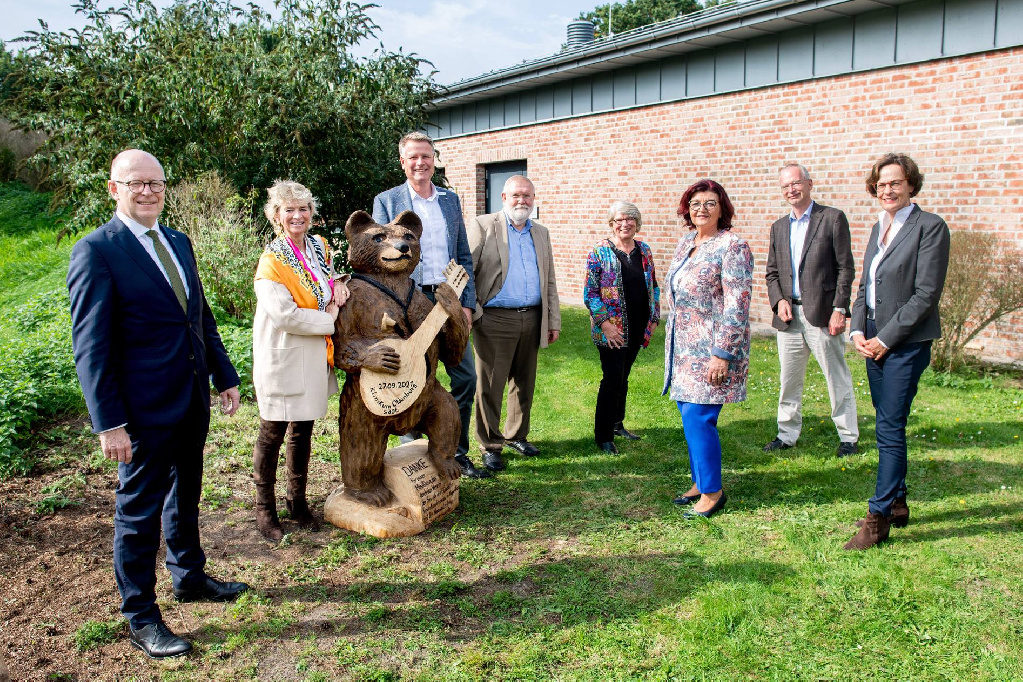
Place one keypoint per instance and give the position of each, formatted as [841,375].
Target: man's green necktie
[172,270]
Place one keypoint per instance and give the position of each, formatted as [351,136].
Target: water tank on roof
[580,33]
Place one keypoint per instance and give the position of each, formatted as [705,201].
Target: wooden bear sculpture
[375,334]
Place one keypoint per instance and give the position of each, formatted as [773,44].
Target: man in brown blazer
[809,281]
[517,313]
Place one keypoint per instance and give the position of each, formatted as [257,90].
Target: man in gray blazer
[443,240]
[809,282]
[895,320]
[517,313]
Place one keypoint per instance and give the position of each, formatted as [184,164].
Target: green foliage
[37,374]
[636,13]
[225,237]
[56,495]
[238,342]
[210,85]
[93,633]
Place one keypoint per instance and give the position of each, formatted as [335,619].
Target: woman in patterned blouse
[624,300]
[707,339]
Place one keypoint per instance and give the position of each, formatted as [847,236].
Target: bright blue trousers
[700,426]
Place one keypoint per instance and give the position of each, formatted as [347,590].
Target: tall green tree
[636,13]
[207,85]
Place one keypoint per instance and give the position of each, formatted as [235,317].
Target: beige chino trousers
[794,348]
[507,343]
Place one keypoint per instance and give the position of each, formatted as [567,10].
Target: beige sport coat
[488,243]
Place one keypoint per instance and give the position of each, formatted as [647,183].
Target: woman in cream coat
[292,353]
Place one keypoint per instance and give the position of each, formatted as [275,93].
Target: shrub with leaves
[982,286]
[226,237]
[211,85]
[37,375]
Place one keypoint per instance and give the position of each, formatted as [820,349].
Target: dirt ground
[56,569]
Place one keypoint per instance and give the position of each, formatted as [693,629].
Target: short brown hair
[913,175]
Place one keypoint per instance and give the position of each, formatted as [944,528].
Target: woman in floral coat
[622,295]
[707,337]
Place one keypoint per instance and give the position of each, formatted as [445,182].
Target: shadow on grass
[532,598]
[574,488]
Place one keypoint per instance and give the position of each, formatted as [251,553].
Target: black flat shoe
[493,461]
[776,444]
[620,430]
[683,500]
[211,590]
[469,470]
[608,447]
[523,447]
[157,641]
[846,449]
[718,506]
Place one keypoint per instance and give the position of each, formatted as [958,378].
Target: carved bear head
[384,249]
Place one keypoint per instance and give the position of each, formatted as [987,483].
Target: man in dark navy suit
[145,345]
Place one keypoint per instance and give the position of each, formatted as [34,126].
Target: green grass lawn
[573,565]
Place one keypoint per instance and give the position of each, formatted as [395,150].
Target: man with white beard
[517,313]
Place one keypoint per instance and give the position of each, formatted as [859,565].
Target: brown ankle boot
[900,514]
[300,447]
[873,531]
[264,475]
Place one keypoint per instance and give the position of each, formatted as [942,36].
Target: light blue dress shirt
[521,286]
[797,238]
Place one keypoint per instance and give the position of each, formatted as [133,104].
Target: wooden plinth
[420,497]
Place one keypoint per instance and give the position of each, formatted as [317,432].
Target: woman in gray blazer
[894,321]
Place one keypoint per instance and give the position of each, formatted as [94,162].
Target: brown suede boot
[873,531]
[900,514]
[300,445]
[264,465]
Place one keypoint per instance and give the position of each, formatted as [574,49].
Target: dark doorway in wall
[496,175]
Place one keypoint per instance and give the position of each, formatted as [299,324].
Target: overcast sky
[462,39]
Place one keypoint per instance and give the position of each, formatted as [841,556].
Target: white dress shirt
[434,242]
[896,224]
[146,241]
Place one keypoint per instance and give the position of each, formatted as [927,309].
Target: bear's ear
[410,221]
[358,222]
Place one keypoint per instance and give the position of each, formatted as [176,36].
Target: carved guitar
[386,394]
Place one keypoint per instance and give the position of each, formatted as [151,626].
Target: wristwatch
[841,310]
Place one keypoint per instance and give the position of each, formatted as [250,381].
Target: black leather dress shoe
[493,460]
[776,444]
[683,500]
[608,447]
[157,641]
[523,447]
[469,469]
[211,590]
[718,506]
[620,430]
[846,449]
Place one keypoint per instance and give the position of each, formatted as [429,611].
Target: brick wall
[961,119]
